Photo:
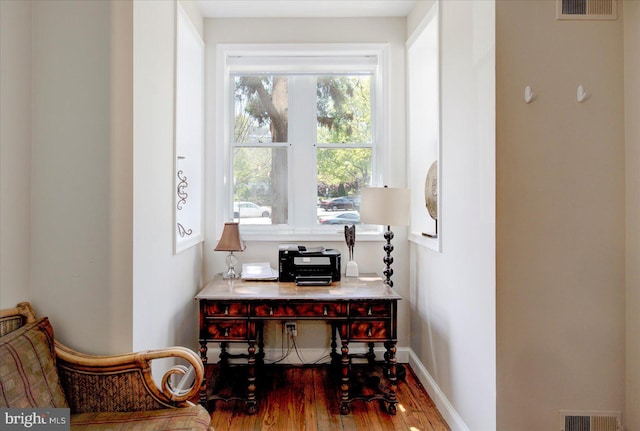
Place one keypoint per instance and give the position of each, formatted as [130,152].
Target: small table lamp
[231,241]
[385,206]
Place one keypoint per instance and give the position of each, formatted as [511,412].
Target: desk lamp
[385,206]
[230,241]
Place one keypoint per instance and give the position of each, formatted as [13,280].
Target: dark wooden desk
[359,309]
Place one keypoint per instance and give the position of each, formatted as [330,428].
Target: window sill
[426,242]
[293,235]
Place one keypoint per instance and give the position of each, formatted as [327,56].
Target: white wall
[560,216]
[15,152]
[72,216]
[453,291]
[368,254]
[99,136]
[632,157]
[164,284]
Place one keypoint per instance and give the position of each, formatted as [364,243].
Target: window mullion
[303,170]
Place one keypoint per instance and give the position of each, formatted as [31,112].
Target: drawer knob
[369,311]
[325,311]
[226,332]
[226,310]
[369,331]
[270,311]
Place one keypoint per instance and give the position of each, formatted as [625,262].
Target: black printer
[313,267]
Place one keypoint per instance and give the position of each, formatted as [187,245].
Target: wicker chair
[105,390]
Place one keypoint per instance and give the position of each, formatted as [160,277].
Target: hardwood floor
[306,398]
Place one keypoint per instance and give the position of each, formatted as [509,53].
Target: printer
[311,267]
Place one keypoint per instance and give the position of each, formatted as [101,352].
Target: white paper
[258,271]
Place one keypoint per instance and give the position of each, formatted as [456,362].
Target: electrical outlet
[292,328]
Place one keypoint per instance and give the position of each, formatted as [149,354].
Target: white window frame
[297,58]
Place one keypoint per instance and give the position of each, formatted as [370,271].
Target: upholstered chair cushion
[28,374]
[185,419]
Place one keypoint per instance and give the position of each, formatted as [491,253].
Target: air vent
[590,421]
[586,9]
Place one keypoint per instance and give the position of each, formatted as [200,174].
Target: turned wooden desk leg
[261,355]
[203,386]
[223,356]
[344,387]
[335,358]
[251,379]
[371,355]
[393,378]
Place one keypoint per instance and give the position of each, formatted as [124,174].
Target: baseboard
[441,401]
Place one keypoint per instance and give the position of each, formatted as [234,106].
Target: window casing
[295,214]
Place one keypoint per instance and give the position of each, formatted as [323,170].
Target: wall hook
[528,94]
[581,95]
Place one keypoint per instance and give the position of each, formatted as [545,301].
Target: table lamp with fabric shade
[385,206]
[231,241]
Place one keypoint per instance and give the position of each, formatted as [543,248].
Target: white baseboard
[441,401]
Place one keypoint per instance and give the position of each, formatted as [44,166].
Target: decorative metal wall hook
[581,94]
[528,94]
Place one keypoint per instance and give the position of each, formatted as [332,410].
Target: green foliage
[343,116]
[343,171]
[344,109]
[252,174]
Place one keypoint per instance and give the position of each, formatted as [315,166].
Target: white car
[249,209]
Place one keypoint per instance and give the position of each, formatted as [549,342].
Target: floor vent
[591,421]
[586,9]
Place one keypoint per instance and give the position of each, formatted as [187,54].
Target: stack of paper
[258,271]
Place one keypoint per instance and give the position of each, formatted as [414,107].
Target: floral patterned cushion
[185,419]
[28,374]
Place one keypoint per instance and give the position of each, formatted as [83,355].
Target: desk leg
[203,386]
[335,358]
[371,355]
[344,387]
[251,379]
[393,378]
[261,355]
[224,356]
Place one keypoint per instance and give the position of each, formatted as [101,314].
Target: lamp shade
[385,206]
[230,239]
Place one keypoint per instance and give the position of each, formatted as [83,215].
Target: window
[303,134]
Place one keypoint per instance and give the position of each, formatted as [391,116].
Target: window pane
[260,109]
[260,185]
[344,109]
[342,173]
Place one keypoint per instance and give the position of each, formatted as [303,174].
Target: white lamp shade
[384,205]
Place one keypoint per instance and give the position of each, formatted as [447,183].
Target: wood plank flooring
[307,399]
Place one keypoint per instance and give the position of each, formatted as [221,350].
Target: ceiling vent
[590,421]
[586,9]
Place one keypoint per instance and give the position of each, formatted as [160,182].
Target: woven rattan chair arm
[139,362]
[22,309]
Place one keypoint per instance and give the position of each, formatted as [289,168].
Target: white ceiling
[303,8]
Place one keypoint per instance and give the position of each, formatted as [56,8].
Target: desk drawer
[227,329]
[370,309]
[369,330]
[304,309]
[225,309]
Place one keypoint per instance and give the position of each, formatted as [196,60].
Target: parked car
[249,209]
[337,204]
[350,217]
[355,200]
